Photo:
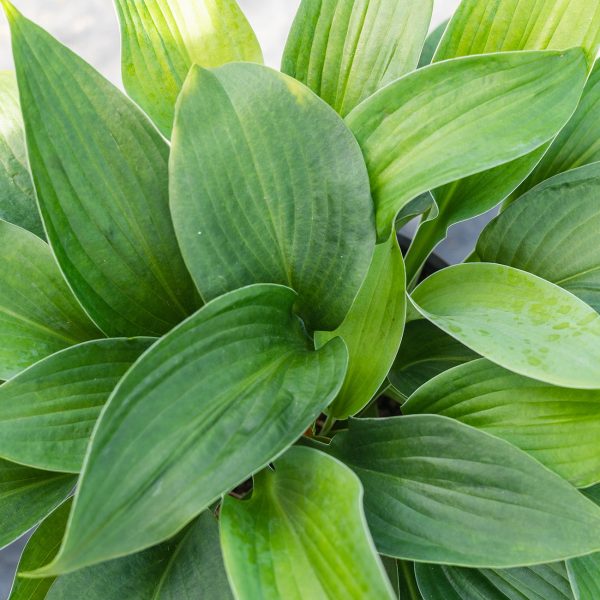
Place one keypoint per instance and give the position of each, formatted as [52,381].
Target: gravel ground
[90,28]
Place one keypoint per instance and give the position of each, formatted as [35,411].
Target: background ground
[90,28]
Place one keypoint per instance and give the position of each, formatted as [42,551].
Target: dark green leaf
[543,582]
[558,426]
[426,351]
[552,231]
[584,574]
[211,403]
[48,411]
[346,51]
[409,590]
[410,130]
[38,313]
[17,196]
[302,535]
[27,496]
[161,39]
[517,320]
[282,198]
[372,330]
[100,171]
[439,491]
[41,547]
[189,566]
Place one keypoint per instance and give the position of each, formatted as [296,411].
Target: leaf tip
[9,10]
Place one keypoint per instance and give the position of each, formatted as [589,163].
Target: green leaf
[409,590]
[391,568]
[584,574]
[372,330]
[346,51]
[552,231]
[47,412]
[161,39]
[294,207]
[426,351]
[27,496]
[439,491]
[490,124]
[542,582]
[431,44]
[578,142]
[302,535]
[38,313]
[507,25]
[558,426]
[502,26]
[517,320]
[41,547]
[212,402]
[17,196]
[100,170]
[189,566]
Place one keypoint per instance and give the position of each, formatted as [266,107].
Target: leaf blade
[342,564]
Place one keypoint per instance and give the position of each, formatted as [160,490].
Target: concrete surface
[90,28]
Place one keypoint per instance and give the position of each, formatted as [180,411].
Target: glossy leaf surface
[38,313]
[161,39]
[216,399]
[542,582]
[41,547]
[188,566]
[346,51]
[426,351]
[282,198]
[517,320]
[17,196]
[302,534]
[552,231]
[47,412]
[415,139]
[372,330]
[100,171]
[558,426]
[27,496]
[438,491]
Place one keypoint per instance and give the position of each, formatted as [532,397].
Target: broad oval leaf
[161,39]
[426,351]
[578,142]
[188,566]
[27,496]
[517,320]
[212,402]
[558,426]
[438,491]
[552,231]
[17,196]
[282,198]
[542,582]
[501,26]
[372,330]
[346,51]
[302,534]
[38,313]
[101,175]
[506,25]
[415,139]
[47,412]
[41,547]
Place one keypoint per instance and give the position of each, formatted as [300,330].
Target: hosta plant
[223,379]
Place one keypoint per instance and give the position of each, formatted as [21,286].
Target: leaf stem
[327,426]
